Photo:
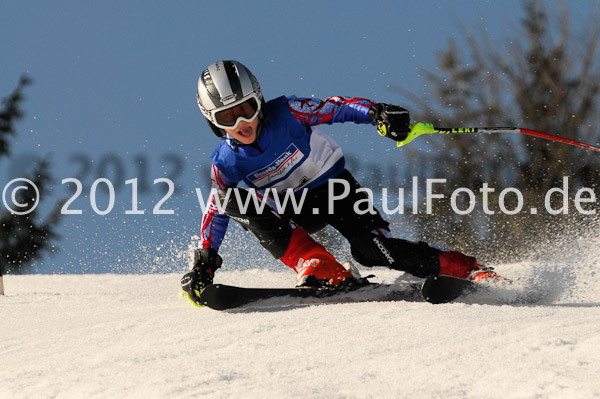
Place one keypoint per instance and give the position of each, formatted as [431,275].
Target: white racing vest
[297,156]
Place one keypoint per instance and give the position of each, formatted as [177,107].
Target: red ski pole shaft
[528,132]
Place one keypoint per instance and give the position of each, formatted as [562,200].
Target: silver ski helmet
[228,93]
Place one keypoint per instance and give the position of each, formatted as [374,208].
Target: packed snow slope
[114,336]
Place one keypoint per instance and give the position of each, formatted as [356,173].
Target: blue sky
[114,91]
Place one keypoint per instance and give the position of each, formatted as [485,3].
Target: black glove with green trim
[392,121]
[206,261]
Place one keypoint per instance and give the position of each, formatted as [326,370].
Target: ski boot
[321,270]
[310,277]
[314,265]
[486,273]
[455,264]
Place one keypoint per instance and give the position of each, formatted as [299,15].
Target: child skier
[274,145]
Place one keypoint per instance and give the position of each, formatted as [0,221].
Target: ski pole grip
[416,130]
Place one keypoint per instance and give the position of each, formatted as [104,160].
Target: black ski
[435,289]
[224,297]
[442,289]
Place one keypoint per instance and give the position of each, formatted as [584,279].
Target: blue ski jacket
[295,156]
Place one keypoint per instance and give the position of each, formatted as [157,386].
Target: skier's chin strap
[235,144]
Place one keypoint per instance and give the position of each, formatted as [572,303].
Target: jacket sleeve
[214,222]
[313,111]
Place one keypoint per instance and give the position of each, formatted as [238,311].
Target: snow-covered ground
[115,336]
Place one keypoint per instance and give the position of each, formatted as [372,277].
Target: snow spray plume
[427,128]
[564,268]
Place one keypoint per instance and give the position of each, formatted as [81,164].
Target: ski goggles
[230,118]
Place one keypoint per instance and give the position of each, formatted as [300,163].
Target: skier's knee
[272,232]
[230,200]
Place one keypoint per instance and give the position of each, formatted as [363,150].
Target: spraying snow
[132,336]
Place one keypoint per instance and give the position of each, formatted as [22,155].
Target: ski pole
[427,128]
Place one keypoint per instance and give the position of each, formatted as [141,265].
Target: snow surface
[115,336]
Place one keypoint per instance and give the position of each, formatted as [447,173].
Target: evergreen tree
[23,238]
[546,80]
